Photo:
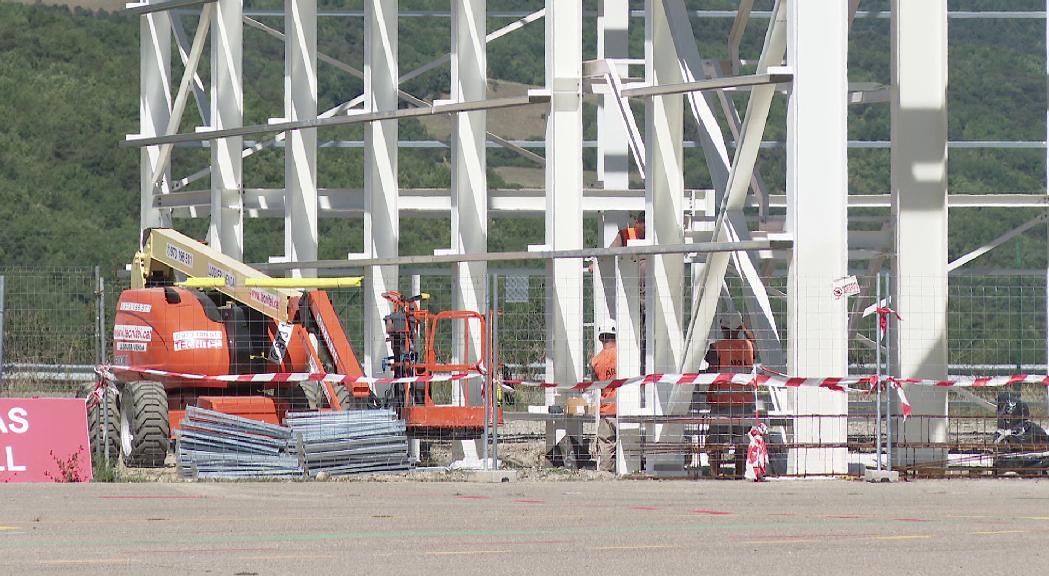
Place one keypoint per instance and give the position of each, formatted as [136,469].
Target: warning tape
[838,384]
[111,372]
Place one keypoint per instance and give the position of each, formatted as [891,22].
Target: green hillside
[68,95]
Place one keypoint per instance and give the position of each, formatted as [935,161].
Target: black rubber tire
[349,402]
[95,420]
[311,397]
[345,398]
[145,433]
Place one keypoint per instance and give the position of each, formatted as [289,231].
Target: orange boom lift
[193,310]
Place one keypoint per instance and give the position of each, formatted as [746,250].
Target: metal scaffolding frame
[810,38]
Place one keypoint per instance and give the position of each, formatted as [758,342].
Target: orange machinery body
[182,330]
[421,414]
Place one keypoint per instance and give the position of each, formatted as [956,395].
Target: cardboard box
[578,407]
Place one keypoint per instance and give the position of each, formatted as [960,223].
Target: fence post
[888,370]
[494,389]
[877,371]
[100,356]
[2,288]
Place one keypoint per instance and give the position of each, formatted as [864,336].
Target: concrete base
[491,476]
[881,475]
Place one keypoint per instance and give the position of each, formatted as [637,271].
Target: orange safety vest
[733,356]
[630,233]
[604,365]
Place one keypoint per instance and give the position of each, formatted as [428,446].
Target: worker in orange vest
[604,365]
[636,232]
[732,354]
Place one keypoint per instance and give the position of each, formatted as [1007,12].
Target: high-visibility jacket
[630,233]
[733,356]
[604,365]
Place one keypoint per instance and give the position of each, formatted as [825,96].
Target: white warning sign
[844,287]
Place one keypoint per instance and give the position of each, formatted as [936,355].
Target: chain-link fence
[58,324]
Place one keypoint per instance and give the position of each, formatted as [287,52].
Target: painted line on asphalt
[711,512]
[286,557]
[466,552]
[148,497]
[208,550]
[3,528]
[780,541]
[644,508]
[366,535]
[910,520]
[530,501]
[997,532]
[94,561]
[1035,517]
[636,547]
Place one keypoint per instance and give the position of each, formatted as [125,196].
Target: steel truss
[803,58]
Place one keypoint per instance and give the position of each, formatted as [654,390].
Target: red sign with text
[44,440]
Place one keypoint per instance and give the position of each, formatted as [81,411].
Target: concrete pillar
[564,195]
[817,203]
[381,227]
[154,106]
[919,206]
[664,191]
[300,146]
[226,230]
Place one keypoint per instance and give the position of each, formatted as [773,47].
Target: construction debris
[216,445]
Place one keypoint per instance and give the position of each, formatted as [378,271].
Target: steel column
[919,196]
[381,227]
[664,187]
[300,149]
[154,107]
[613,42]
[564,184]
[469,195]
[817,195]
[469,190]
[226,230]
[613,160]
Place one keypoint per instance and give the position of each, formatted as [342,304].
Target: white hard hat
[607,327]
[732,321]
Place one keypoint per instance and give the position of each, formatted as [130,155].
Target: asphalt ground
[548,527]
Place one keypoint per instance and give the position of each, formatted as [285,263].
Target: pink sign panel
[44,440]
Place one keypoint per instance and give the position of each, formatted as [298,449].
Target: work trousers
[606,444]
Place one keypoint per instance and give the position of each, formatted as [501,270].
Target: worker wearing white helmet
[604,365]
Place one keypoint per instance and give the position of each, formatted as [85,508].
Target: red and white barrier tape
[111,372]
[837,384]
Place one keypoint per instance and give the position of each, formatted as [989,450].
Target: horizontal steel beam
[696,248]
[1032,200]
[533,97]
[336,202]
[711,84]
[718,14]
[590,144]
[139,8]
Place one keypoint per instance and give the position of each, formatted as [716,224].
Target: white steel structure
[803,59]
